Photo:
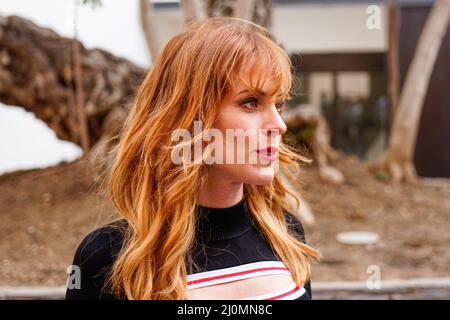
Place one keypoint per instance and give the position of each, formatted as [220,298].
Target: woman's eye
[279,106]
[250,104]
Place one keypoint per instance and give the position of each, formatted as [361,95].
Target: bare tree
[258,11]
[398,158]
[82,120]
[393,65]
[245,8]
[193,10]
[149,27]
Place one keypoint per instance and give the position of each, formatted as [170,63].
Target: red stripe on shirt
[283,294]
[233,274]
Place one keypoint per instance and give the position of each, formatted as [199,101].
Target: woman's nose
[274,124]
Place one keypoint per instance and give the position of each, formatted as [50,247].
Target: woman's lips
[270,153]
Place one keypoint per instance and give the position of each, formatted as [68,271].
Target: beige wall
[328,28]
[308,28]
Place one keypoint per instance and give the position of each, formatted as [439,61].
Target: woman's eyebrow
[243,91]
[257,91]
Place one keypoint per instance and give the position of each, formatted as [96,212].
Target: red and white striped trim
[245,271]
[290,292]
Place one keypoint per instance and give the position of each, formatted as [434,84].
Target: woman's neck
[219,192]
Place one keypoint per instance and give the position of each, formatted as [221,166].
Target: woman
[203,224]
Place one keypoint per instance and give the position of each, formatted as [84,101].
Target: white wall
[328,28]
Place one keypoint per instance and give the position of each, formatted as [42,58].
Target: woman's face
[255,123]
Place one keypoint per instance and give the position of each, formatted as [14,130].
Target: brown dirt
[46,212]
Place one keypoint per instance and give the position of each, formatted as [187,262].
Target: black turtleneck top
[228,247]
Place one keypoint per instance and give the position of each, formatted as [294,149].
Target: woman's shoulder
[105,239]
[93,258]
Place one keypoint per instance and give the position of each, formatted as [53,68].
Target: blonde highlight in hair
[192,75]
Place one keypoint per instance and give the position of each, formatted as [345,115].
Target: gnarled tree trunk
[36,73]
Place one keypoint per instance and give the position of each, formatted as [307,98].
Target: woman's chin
[262,175]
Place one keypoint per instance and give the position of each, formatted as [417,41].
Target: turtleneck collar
[224,223]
